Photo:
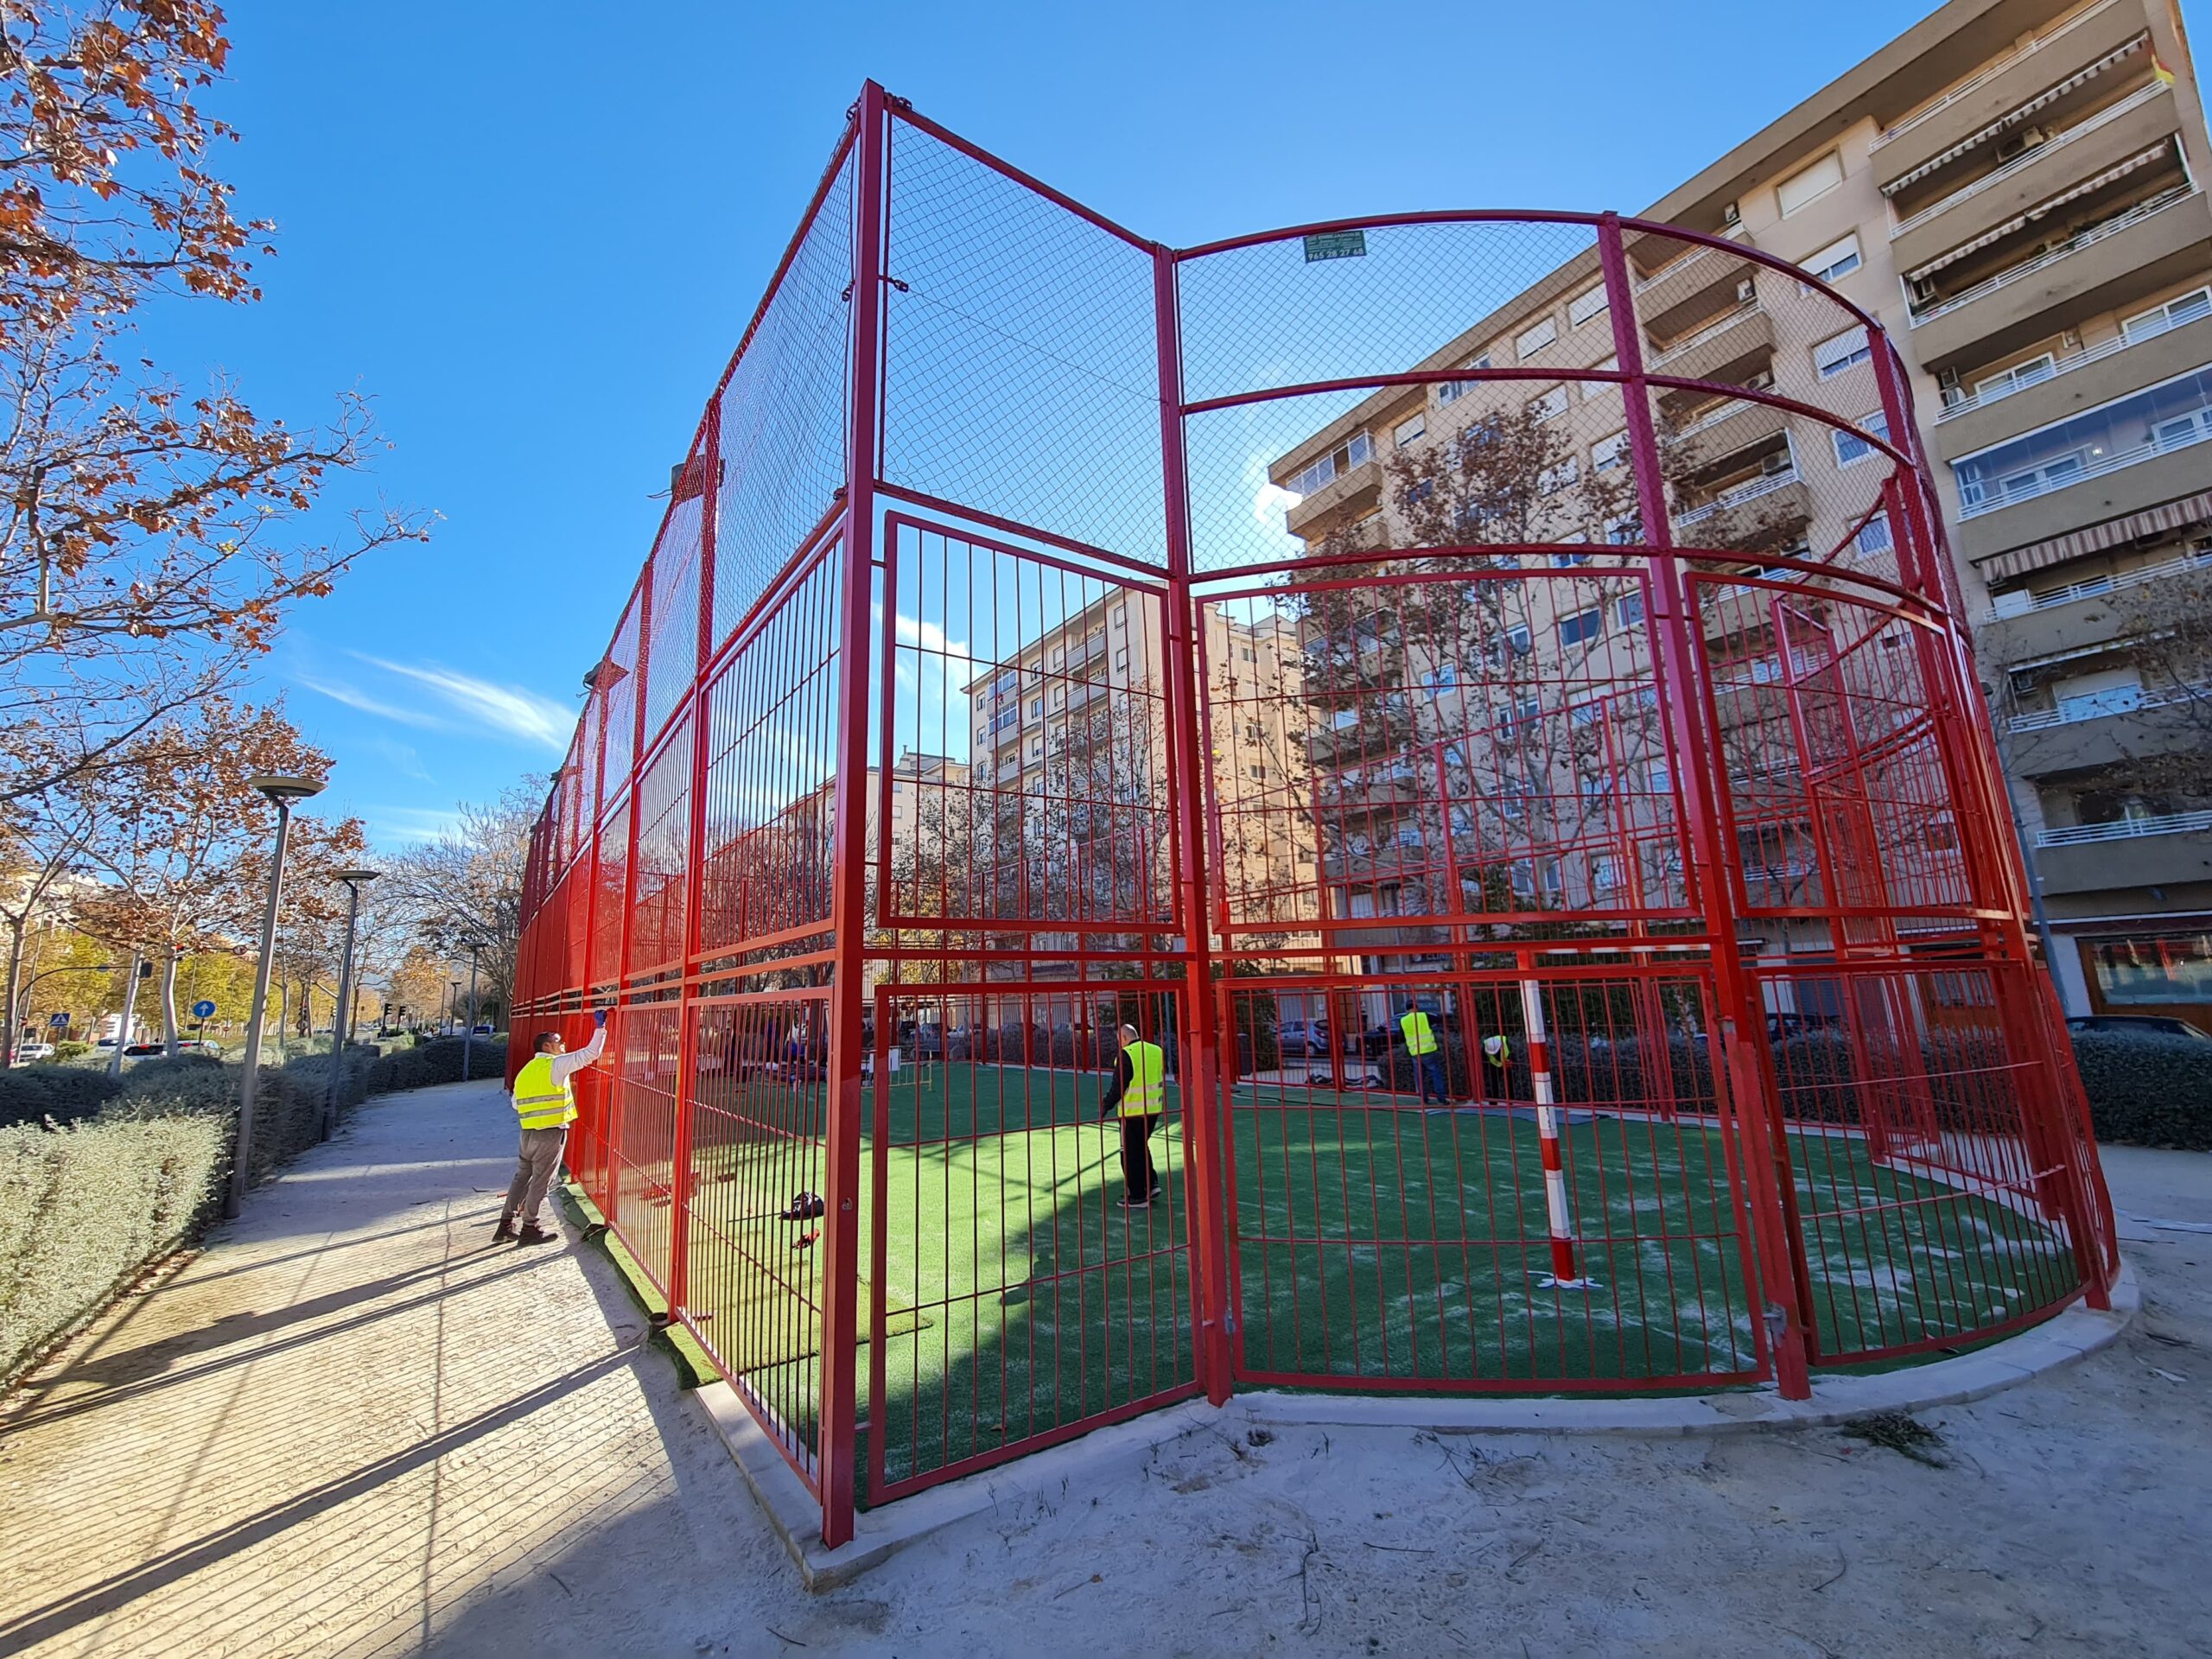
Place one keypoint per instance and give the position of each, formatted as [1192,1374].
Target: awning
[2002,123]
[2097,539]
[2120,171]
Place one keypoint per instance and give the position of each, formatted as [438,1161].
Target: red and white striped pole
[1562,1275]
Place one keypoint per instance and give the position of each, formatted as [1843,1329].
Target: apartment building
[2014,188]
[1071,813]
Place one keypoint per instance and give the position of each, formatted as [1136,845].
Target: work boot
[533,1233]
[505,1232]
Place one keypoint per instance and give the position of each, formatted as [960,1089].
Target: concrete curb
[879,1534]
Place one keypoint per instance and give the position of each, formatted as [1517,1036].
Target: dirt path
[352,1427]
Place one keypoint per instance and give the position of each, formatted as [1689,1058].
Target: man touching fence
[545,1103]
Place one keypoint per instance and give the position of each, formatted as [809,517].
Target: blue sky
[532,233]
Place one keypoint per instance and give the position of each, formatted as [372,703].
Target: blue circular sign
[203,1009]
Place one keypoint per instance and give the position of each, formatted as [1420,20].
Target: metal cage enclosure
[1485,694]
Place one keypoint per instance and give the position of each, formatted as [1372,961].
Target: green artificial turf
[1376,1241]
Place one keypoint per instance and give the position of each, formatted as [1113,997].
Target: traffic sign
[203,1009]
[60,1022]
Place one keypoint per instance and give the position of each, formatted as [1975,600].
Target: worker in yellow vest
[545,1104]
[1428,1060]
[1140,1092]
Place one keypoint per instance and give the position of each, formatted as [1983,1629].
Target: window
[1564,560]
[1584,306]
[1661,780]
[1517,642]
[2173,969]
[1533,339]
[1407,430]
[1628,611]
[1876,537]
[1598,388]
[1850,446]
[1343,719]
[1552,480]
[1550,406]
[1582,627]
[1036,708]
[1586,714]
[1419,491]
[2005,382]
[1554,879]
[1122,659]
[1447,391]
[1622,532]
[1354,451]
[1259,773]
[1252,731]
[1839,352]
[1120,615]
[1523,878]
[1808,184]
[1441,678]
[1837,259]
[1060,697]
[2186,308]
[1609,453]
[1604,873]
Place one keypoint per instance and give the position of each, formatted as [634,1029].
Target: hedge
[2147,1090]
[106,1177]
[84,1208]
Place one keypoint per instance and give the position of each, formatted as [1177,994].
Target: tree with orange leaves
[148,535]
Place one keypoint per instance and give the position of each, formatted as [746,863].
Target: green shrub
[31,1094]
[83,1209]
[72,1051]
[2145,1088]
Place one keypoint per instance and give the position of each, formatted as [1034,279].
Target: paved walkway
[353,1425]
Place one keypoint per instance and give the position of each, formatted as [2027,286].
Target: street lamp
[341,1024]
[452,1002]
[282,793]
[468,1031]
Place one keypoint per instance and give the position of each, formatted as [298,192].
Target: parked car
[105,1042]
[142,1051]
[2148,1024]
[484,1030]
[1296,1038]
[27,1054]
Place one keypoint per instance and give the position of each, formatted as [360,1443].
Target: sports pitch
[1375,1240]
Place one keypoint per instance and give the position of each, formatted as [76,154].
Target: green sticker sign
[1336,244]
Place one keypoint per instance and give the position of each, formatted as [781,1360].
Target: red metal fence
[1483,694]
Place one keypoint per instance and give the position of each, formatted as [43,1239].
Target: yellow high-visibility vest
[1146,1095]
[1420,1039]
[541,1103]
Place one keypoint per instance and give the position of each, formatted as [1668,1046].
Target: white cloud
[402,757]
[405,824]
[353,697]
[1270,502]
[513,711]
[927,636]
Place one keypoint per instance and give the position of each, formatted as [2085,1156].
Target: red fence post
[849,900]
[708,450]
[1771,1195]
[1204,1190]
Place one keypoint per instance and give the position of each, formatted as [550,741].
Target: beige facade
[2015,189]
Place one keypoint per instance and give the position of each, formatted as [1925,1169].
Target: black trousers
[1139,1178]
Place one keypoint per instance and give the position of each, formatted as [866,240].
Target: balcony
[2063,163]
[1682,294]
[2083,379]
[1762,488]
[2091,733]
[1736,423]
[2002,87]
[2071,619]
[2145,477]
[1699,355]
[1346,497]
[2151,244]
[2171,850]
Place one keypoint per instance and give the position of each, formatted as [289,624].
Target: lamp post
[453,1002]
[341,1023]
[282,793]
[468,1031]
